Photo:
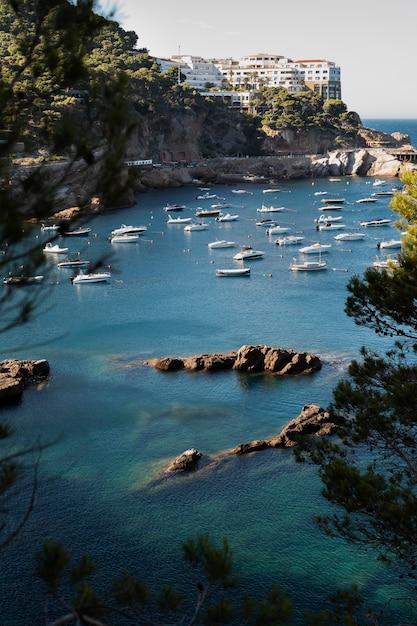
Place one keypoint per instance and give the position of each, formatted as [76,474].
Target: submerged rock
[186,461]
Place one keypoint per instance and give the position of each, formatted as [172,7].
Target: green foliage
[369,472]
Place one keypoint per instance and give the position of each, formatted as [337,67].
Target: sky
[373,41]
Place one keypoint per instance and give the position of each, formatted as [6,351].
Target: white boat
[179,220]
[289,240]
[207,196]
[363,200]
[267,223]
[334,180]
[351,236]
[74,263]
[384,264]
[331,226]
[383,193]
[379,222]
[324,219]
[49,227]
[77,232]
[389,243]
[277,230]
[330,207]
[22,280]
[241,191]
[54,248]
[270,190]
[127,238]
[228,217]
[95,277]
[174,207]
[320,193]
[221,205]
[316,248]
[378,182]
[236,271]
[196,226]
[128,230]
[270,209]
[221,243]
[247,252]
[308,266]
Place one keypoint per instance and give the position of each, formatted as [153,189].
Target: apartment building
[251,73]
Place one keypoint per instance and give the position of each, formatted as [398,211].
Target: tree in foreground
[131,601]
[370,472]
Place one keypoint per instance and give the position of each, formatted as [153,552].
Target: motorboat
[383,193]
[207,196]
[247,252]
[22,280]
[221,205]
[277,230]
[94,277]
[126,238]
[334,180]
[174,207]
[54,248]
[196,226]
[378,222]
[364,200]
[74,263]
[351,236]
[316,248]
[77,232]
[242,191]
[323,219]
[331,226]
[308,266]
[385,263]
[270,209]
[267,223]
[207,212]
[289,240]
[235,271]
[332,200]
[270,190]
[320,193]
[389,243]
[49,227]
[128,230]
[227,217]
[221,243]
[378,182]
[330,207]
[179,220]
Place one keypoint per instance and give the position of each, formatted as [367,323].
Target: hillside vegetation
[171,120]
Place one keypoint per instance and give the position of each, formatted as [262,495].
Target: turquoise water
[120,422]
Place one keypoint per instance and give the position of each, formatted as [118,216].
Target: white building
[250,73]
[198,72]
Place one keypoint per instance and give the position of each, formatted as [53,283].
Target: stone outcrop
[313,420]
[186,461]
[250,359]
[15,375]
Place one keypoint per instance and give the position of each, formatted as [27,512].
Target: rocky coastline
[16,375]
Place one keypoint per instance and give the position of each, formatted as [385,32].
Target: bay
[120,422]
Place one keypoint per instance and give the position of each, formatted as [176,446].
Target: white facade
[252,72]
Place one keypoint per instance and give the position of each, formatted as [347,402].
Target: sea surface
[117,422]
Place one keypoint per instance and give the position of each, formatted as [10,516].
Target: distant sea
[400,125]
[118,423]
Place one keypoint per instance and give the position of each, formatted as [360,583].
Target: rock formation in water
[15,375]
[250,359]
